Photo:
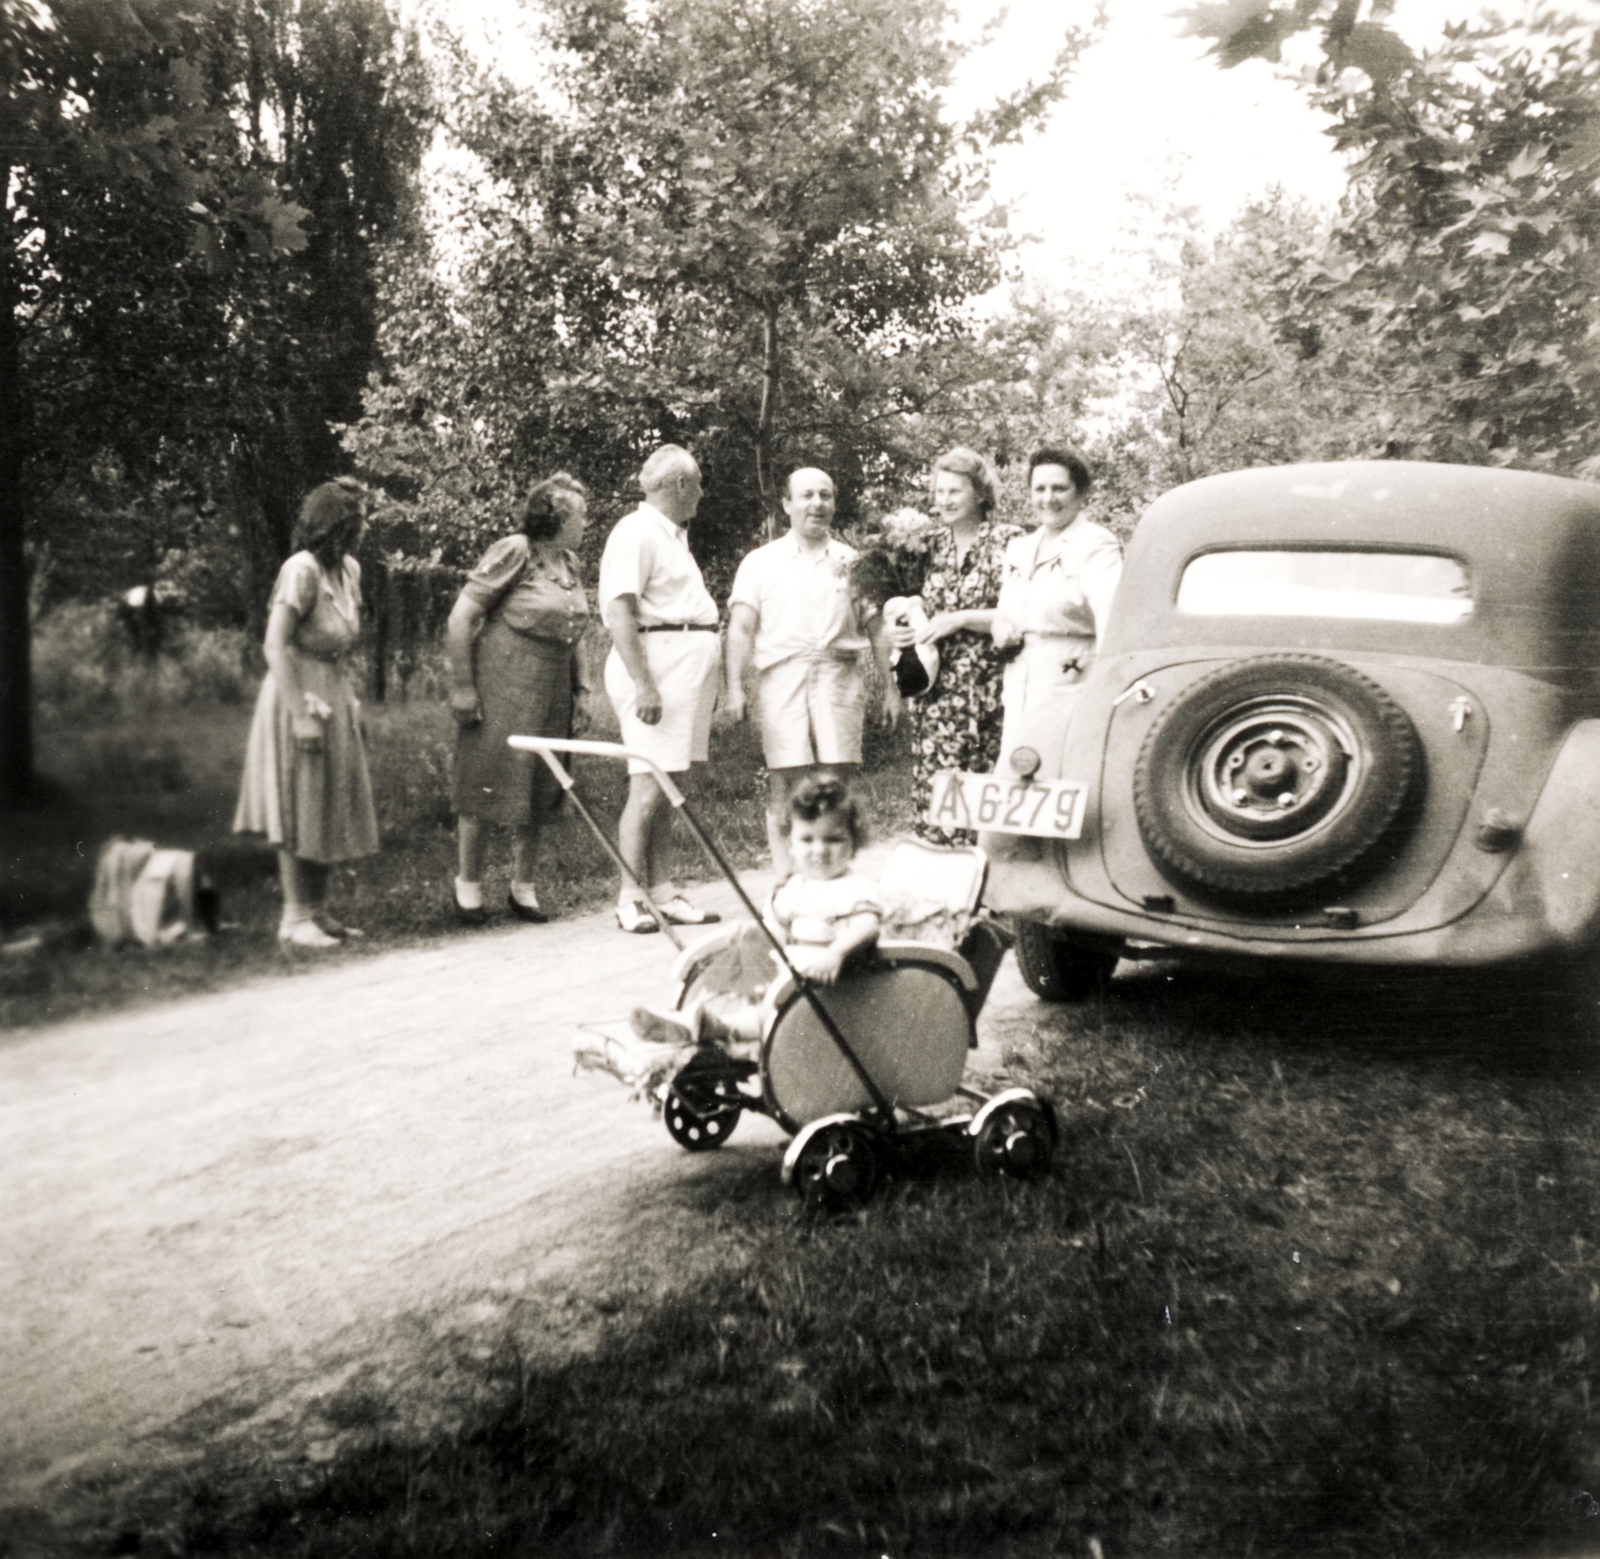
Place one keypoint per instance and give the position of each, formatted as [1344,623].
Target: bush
[84,667]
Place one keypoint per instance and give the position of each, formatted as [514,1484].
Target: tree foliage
[193,194]
[1234,372]
[745,225]
[1469,247]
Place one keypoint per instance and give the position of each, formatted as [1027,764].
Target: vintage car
[1343,714]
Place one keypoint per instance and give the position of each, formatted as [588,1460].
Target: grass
[156,753]
[1311,1277]
[1316,1273]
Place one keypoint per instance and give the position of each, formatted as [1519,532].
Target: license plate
[1049,809]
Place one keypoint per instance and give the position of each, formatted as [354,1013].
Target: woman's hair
[970,464]
[328,516]
[544,511]
[1074,464]
[824,795]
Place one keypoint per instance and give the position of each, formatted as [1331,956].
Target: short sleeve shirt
[648,557]
[1062,583]
[537,594]
[802,600]
[810,911]
[326,607]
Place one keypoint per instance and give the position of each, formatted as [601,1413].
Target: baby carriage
[867,1069]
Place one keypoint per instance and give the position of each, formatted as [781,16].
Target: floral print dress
[957,724]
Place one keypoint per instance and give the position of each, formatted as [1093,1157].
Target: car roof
[1530,544]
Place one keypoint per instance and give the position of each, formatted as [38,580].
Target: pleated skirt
[316,805]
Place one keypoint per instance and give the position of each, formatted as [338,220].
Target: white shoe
[666,1028]
[307,934]
[680,912]
[633,916]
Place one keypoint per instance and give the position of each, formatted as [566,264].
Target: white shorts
[685,667]
[811,711]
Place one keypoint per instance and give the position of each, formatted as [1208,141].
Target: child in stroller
[825,914]
[854,1068]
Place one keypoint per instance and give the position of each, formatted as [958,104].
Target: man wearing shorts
[661,674]
[796,621]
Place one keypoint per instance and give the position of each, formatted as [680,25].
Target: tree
[747,225]
[1469,248]
[123,188]
[334,99]
[1236,372]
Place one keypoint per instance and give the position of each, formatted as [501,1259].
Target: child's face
[822,848]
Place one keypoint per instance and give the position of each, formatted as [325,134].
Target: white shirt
[810,908]
[648,557]
[1061,583]
[801,598]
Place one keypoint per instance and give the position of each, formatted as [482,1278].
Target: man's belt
[677,628]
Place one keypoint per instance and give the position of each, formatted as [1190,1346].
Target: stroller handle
[548,746]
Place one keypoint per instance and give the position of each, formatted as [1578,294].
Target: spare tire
[1274,776]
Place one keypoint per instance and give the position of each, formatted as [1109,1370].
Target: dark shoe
[468,917]
[533,915]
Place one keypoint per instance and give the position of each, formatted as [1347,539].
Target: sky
[1147,112]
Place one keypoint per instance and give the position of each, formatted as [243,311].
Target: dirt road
[217,1210]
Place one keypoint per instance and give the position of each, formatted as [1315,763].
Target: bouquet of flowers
[910,530]
[893,557]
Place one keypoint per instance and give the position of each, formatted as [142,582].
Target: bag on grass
[147,895]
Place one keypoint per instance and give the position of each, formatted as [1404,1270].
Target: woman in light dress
[511,646]
[305,771]
[1057,589]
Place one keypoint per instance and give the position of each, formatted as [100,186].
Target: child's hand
[820,965]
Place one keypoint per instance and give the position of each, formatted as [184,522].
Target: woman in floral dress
[956,723]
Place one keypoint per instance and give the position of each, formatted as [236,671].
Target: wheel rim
[1271,770]
[1014,1141]
[837,1167]
[704,1124]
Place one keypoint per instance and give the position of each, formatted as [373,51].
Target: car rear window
[1404,587]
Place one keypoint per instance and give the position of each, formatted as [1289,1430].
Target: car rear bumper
[1504,928]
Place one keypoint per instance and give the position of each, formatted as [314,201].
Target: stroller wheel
[1014,1134]
[701,1113]
[833,1163]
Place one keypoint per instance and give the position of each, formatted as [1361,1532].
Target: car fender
[1554,875]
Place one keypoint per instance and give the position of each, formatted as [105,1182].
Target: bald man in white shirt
[795,621]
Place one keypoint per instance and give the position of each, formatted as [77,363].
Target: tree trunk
[764,423]
[16,679]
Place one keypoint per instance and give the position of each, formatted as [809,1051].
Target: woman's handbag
[916,667]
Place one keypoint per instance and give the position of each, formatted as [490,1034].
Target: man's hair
[824,795]
[1075,465]
[788,481]
[548,503]
[669,461]
[961,461]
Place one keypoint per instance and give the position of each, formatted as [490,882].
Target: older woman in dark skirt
[511,645]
